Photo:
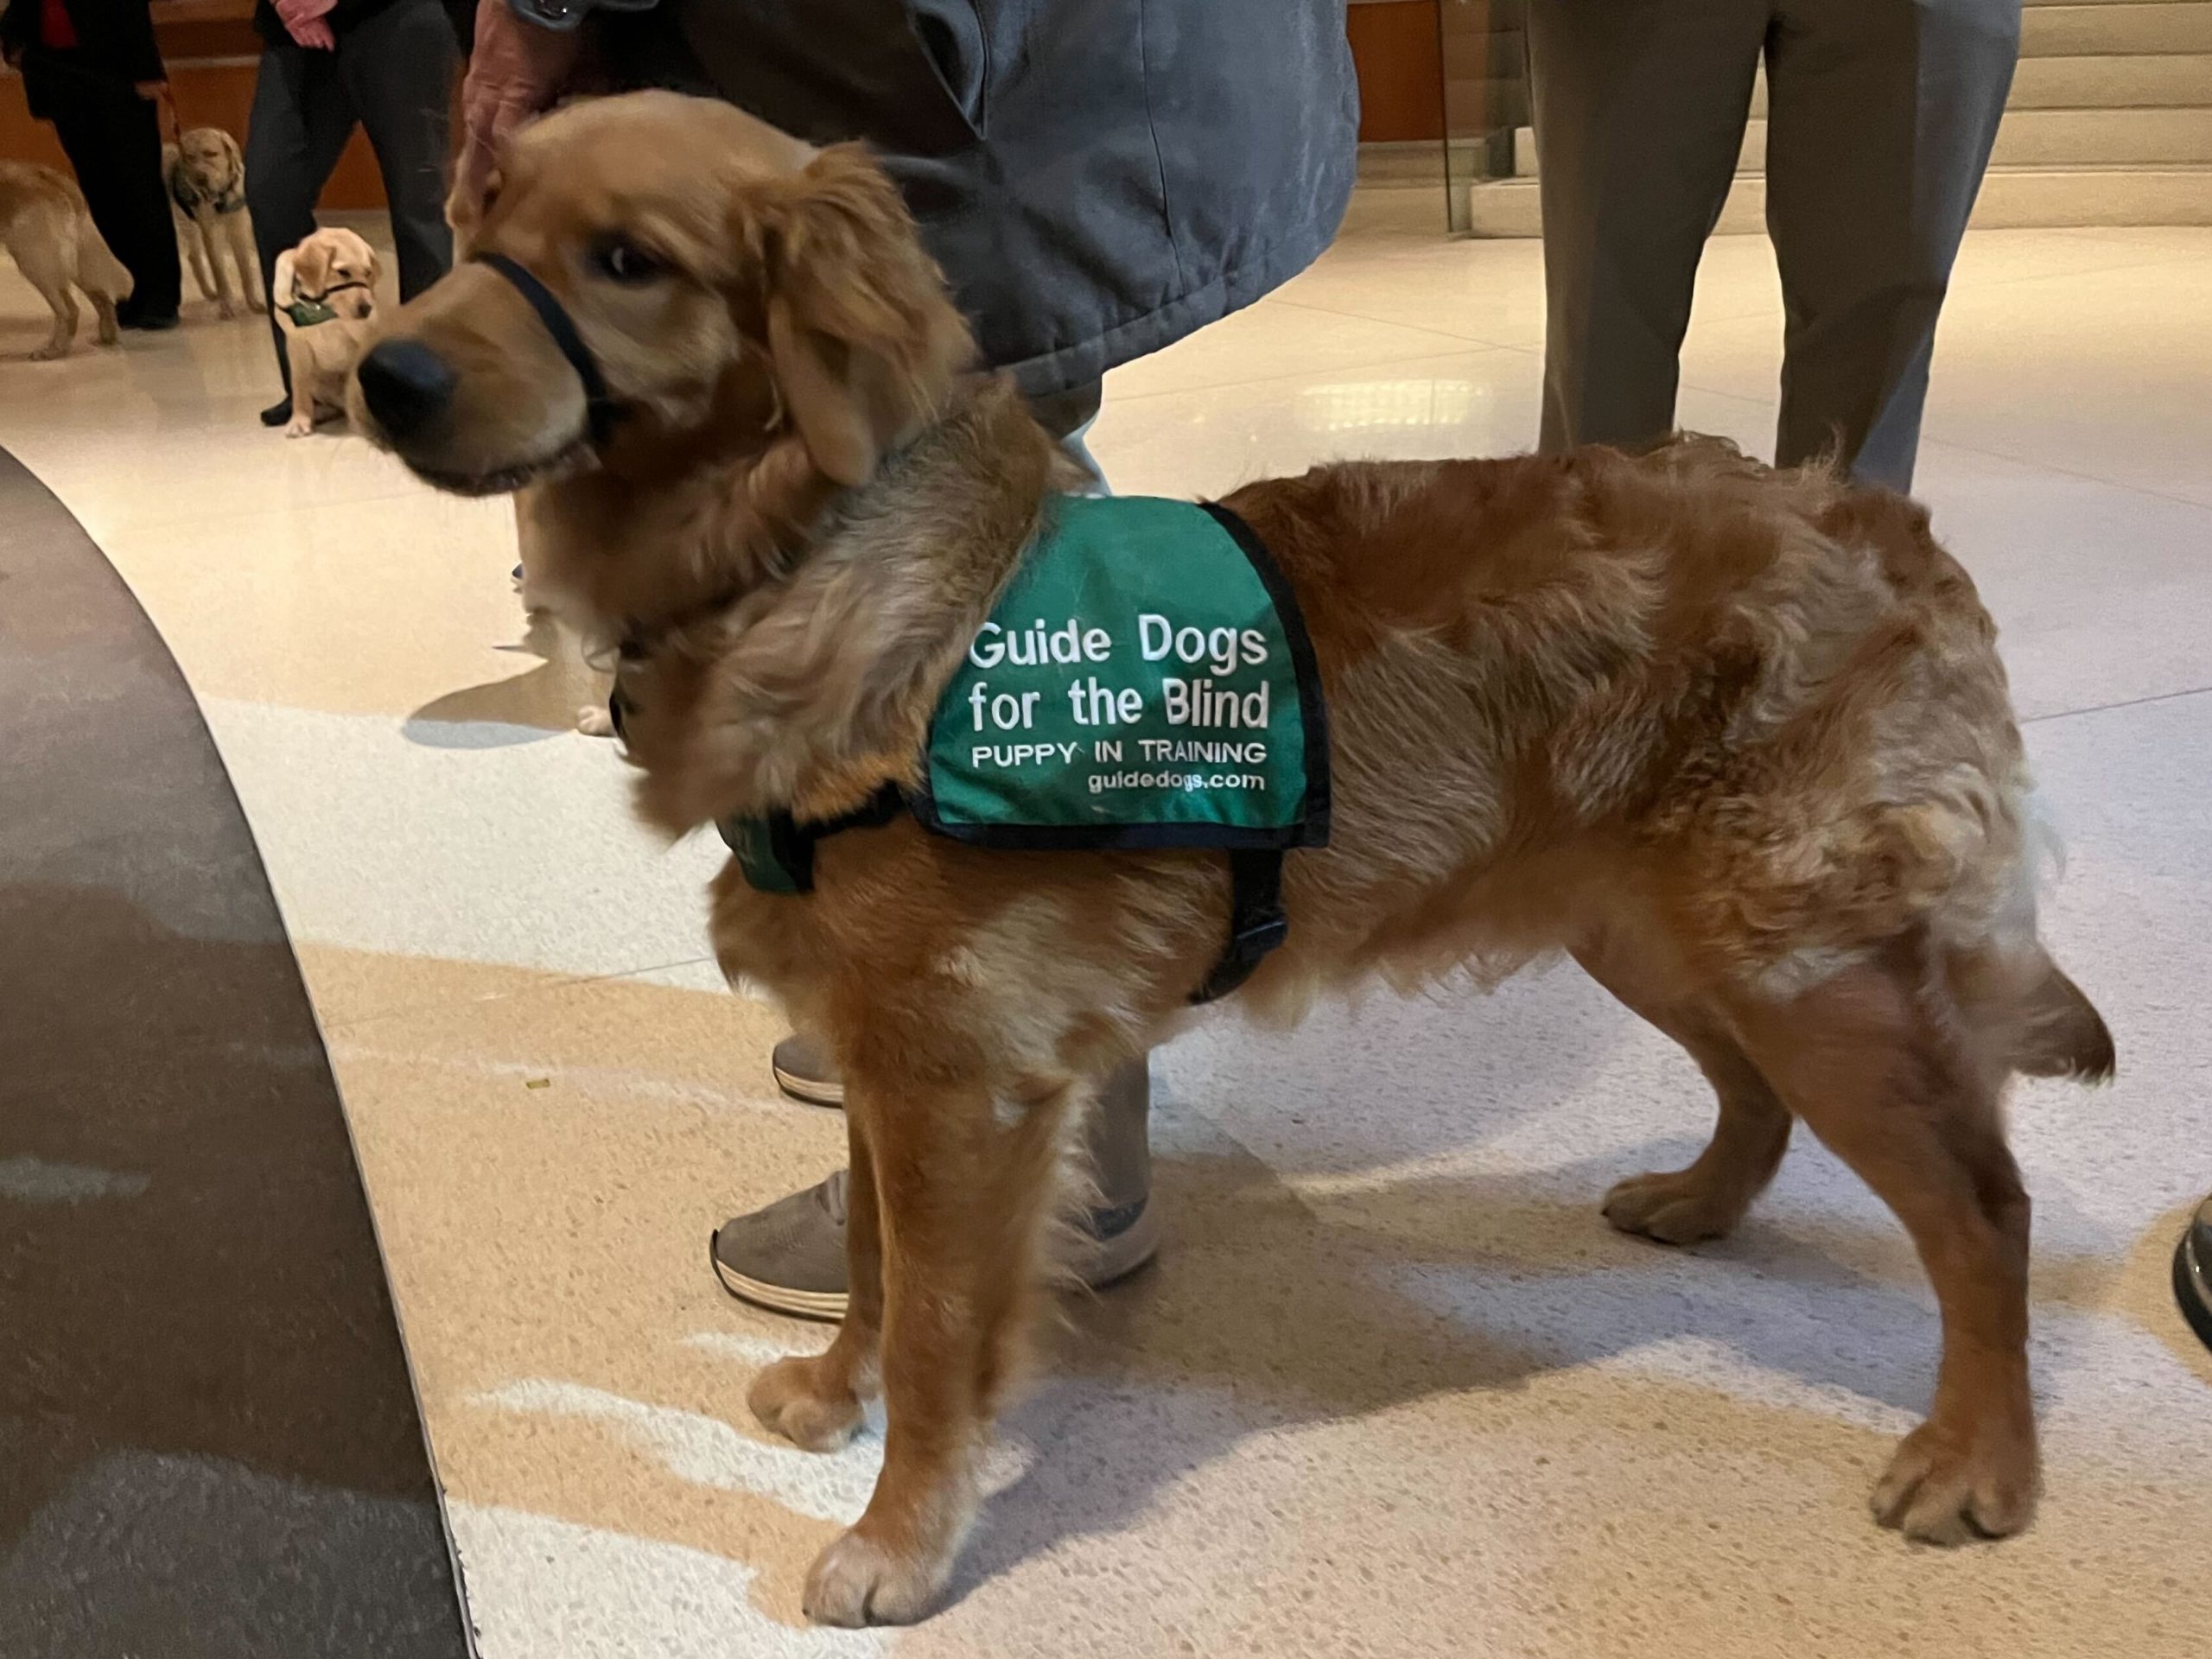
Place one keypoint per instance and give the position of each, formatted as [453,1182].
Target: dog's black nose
[406,385]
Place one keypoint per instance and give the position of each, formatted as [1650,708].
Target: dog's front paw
[859,1581]
[259,307]
[596,720]
[1948,1486]
[1674,1206]
[802,1400]
[301,426]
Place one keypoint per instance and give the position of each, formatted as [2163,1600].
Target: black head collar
[600,411]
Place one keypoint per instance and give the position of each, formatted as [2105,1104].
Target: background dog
[45,224]
[207,179]
[325,300]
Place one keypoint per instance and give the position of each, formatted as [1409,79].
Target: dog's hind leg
[1887,1081]
[47,266]
[101,275]
[1705,1200]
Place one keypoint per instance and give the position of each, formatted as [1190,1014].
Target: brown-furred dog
[1737,739]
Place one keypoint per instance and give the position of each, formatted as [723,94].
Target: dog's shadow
[526,707]
[1277,1306]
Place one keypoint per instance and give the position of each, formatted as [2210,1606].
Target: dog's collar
[309,310]
[334,287]
[600,411]
[187,195]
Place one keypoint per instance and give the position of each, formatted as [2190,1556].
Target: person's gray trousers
[1881,116]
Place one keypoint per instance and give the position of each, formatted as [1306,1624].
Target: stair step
[2130,79]
[2021,198]
[2104,80]
[2109,138]
[2070,80]
[2106,28]
[2011,198]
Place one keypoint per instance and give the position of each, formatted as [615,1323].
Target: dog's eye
[625,262]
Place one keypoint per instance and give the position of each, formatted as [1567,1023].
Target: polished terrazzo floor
[1393,1389]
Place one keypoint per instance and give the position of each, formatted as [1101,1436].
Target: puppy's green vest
[1144,681]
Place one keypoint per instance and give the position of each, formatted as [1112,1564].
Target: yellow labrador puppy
[325,300]
[206,175]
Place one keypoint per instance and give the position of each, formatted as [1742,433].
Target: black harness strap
[600,411]
[1256,922]
[777,852]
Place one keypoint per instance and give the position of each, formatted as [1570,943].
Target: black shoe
[277,413]
[153,323]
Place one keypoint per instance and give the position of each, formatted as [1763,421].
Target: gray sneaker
[790,1257]
[804,1070]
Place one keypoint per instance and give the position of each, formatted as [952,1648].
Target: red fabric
[55,31]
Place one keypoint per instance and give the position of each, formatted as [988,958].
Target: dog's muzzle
[600,411]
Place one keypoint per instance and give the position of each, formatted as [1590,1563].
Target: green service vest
[1145,681]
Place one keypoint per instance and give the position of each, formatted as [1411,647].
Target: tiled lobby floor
[1394,1389]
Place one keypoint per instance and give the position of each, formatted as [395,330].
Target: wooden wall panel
[211,52]
[1394,45]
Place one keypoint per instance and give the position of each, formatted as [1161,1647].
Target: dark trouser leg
[399,68]
[1640,107]
[114,142]
[301,121]
[1883,115]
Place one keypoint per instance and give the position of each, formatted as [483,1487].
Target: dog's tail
[2060,1034]
[98,271]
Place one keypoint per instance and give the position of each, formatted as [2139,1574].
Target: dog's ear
[376,265]
[863,339]
[311,265]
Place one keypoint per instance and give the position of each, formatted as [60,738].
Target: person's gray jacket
[1098,177]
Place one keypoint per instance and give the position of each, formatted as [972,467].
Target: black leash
[600,411]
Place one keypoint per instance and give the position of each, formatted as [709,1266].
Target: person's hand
[307,22]
[516,70]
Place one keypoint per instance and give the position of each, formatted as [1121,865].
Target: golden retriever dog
[206,175]
[326,301]
[1737,740]
[44,225]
